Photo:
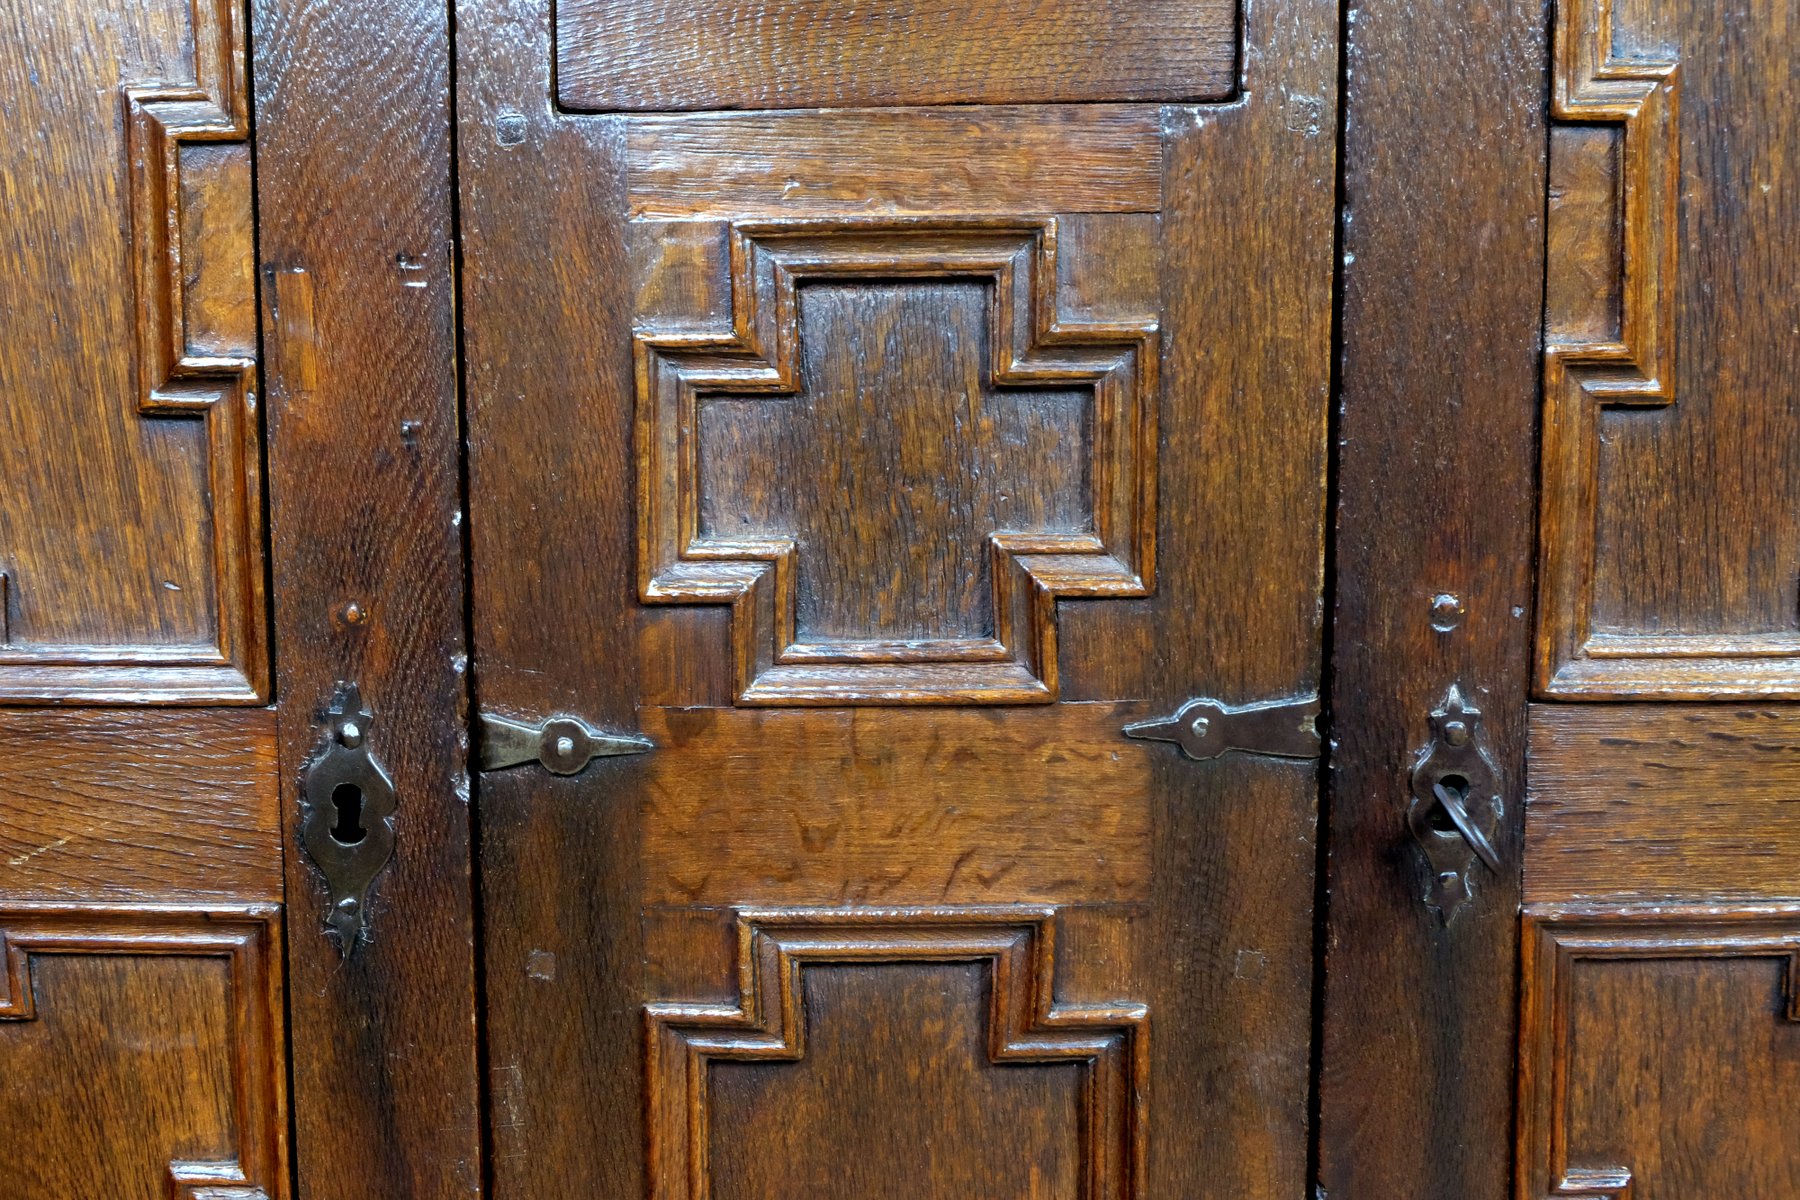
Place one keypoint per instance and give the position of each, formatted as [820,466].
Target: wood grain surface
[131,525]
[143,1052]
[149,806]
[1658,1049]
[712,54]
[354,205]
[1671,459]
[984,159]
[1209,918]
[1684,802]
[1442,293]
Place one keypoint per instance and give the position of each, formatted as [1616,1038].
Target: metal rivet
[1446,612]
[565,746]
[1456,733]
[350,734]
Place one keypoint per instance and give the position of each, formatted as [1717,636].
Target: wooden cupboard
[1057,599]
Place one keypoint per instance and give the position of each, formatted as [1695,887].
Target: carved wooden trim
[246,937]
[1593,84]
[1555,938]
[172,382]
[768,1024]
[761,355]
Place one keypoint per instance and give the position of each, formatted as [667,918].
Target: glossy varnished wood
[882,808]
[131,528]
[1444,191]
[354,205]
[721,54]
[1091,1144]
[1015,463]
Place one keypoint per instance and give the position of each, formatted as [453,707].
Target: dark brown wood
[1442,293]
[1016,463]
[353,151]
[646,55]
[1658,1024]
[1670,464]
[116,806]
[131,527]
[1182,886]
[1663,802]
[1019,1130]
[1658,1052]
[1084,158]
[859,788]
[142,1052]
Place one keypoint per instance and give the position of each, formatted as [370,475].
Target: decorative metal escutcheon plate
[1455,805]
[1205,728]
[347,814]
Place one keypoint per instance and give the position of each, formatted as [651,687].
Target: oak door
[874,417]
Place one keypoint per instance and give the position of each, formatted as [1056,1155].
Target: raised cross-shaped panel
[895,460]
[720,1108]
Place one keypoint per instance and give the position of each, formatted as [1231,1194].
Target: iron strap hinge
[562,745]
[1205,728]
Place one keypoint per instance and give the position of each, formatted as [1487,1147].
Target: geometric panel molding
[131,562]
[778,953]
[1645,1034]
[1624,356]
[1667,560]
[159,1028]
[896,458]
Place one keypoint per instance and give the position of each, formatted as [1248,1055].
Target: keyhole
[1439,817]
[347,798]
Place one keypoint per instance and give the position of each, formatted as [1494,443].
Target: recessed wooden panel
[134,805]
[1662,801]
[889,452]
[670,54]
[131,521]
[1671,460]
[868,1036]
[1660,1050]
[895,1098]
[142,1054]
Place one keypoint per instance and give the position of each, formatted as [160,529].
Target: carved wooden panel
[761,1096]
[131,523]
[892,454]
[826,447]
[720,54]
[1659,1053]
[142,1052]
[1671,456]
